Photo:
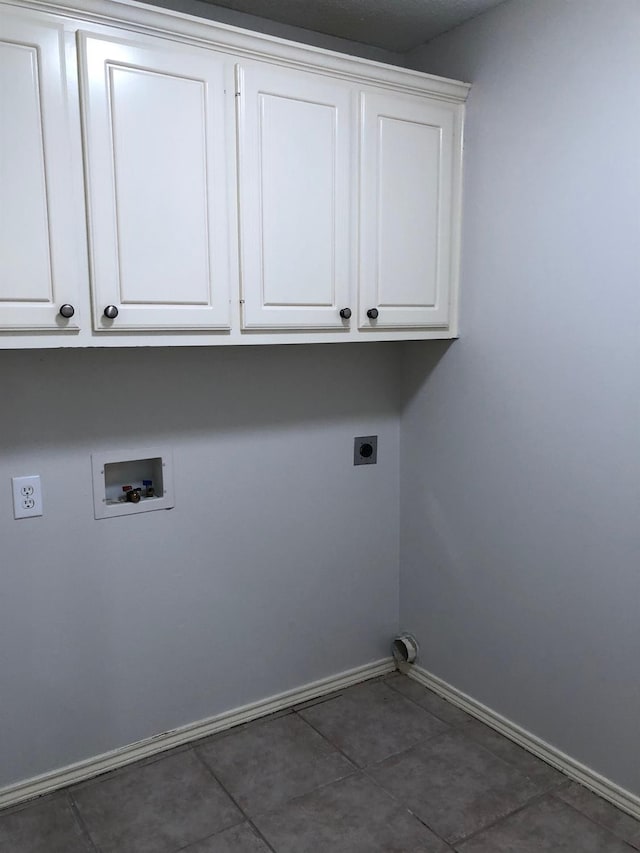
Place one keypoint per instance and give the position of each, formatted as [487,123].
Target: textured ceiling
[396,25]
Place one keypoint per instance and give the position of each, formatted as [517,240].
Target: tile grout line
[459,727]
[433,714]
[320,787]
[355,771]
[330,742]
[407,809]
[422,740]
[234,801]
[80,820]
[550,786]
[365,773]
[593,820]
[532,802]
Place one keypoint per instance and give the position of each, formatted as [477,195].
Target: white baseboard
[620,797]
[91,767]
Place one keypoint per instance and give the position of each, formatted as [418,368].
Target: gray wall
[278,565]
[520,462]
[202,9]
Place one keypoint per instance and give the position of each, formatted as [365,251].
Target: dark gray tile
[351,816]
[433,703]
[455,785]
[155,808]
[547,826]
[594,807]
[238,839]
[370,722]
[267,763]
[534,768]
[44,826]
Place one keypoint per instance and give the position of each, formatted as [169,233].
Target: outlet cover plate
[365,450]
[27,496]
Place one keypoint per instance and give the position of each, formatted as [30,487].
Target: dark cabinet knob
[345,313]
[372,313]
[111,312]
[67,310]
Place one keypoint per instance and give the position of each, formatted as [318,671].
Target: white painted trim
[620,797]
[247,43]
[91,767]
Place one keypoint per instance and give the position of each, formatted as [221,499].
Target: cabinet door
[156,139]
[295,140]
[409,182]
[40,229]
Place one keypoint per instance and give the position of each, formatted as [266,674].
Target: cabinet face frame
[122,77]
[296,263]
[415,237]
[42,250]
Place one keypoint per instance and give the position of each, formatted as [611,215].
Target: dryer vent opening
[404,649]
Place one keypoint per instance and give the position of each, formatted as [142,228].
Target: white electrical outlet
[27,496]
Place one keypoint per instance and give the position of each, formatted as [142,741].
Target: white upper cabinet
[159,154]
[167,180]
[41,227]
[296,157]
[409,208]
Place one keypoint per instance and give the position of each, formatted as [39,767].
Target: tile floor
[383,767]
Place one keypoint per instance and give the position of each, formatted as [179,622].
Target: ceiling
[396,25]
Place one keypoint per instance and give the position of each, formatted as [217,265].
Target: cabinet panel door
[40,231]
[156,143]
[295,159]
[408,179]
